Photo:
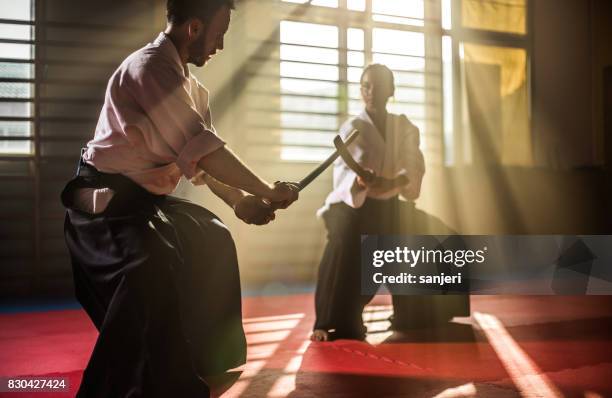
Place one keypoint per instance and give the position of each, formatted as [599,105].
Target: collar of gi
[168,48]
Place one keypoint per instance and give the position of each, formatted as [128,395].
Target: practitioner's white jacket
[397,153]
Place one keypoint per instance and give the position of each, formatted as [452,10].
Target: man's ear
[194,28]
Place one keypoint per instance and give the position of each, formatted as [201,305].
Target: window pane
[293,86]
[308,34]
[16,51]
[398,42]
[323,3]
[306,145]
[354,90]
[447,14]
[355,58]
[320,122]
[398,62]
[15,9]
[409,79]
[15,90]
[309,71]
[308,54]
[15,147]
[357,5]
[19,129]
[501,16]
[15,129]
[409,94]
[306,104]
[400,8]
[314,138]
[354,74]
[18,32]
[15,70]
[15,109]
[398,20]
[355,39]
[447,76]
[302,153]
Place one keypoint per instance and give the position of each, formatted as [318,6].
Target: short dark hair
[179,11]
[380,69]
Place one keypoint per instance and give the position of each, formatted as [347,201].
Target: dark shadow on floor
[336,385]
[448,333]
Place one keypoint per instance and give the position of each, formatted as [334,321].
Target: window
[507,16]
[309,75]
[461,69]
[491,50]
[323,53]
[16,76]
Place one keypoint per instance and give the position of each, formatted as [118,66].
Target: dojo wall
[567,192]
[78,45]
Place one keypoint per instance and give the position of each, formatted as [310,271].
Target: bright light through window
[308,34]
[447,73]
[357,5]
[323,3]
[398,42]
[319,81]
[16,95]
[310,76]
[309,73]
[410,12]
[399,8]
[355,39]
[446,14]
[16,9]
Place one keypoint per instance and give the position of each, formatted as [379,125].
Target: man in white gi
[158,275]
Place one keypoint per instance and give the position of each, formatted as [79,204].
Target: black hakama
[158,276]
[339,303]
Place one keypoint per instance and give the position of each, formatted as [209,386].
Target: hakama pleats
[159,279]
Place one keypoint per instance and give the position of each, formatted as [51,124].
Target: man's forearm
[229,195]
[224,166]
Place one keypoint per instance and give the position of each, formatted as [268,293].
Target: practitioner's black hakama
[351,211]
[158,276]
[339,303]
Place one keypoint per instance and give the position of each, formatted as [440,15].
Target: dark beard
[197,50]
